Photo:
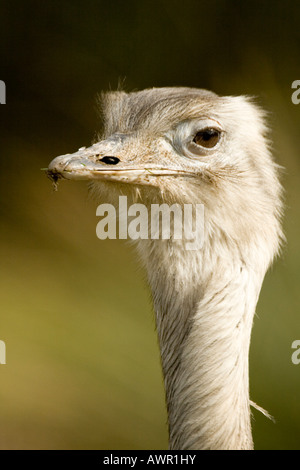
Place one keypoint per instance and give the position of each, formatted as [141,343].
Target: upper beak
[102,161]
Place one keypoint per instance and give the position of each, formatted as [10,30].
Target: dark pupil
[207,138]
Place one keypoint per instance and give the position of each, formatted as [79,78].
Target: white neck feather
[204,321]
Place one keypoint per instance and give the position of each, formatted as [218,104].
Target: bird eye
[207,138]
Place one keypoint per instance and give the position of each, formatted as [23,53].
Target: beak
[102,161]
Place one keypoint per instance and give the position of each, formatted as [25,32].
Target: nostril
[110,160]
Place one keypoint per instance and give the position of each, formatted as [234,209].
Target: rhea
[191,146]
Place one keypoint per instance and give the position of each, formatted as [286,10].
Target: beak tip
[56,169]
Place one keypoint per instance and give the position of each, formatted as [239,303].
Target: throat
[204,327]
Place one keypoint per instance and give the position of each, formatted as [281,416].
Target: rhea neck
[204,308]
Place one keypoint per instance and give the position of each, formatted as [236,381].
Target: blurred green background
[83,366]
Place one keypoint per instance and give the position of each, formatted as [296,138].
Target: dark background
[83,366]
